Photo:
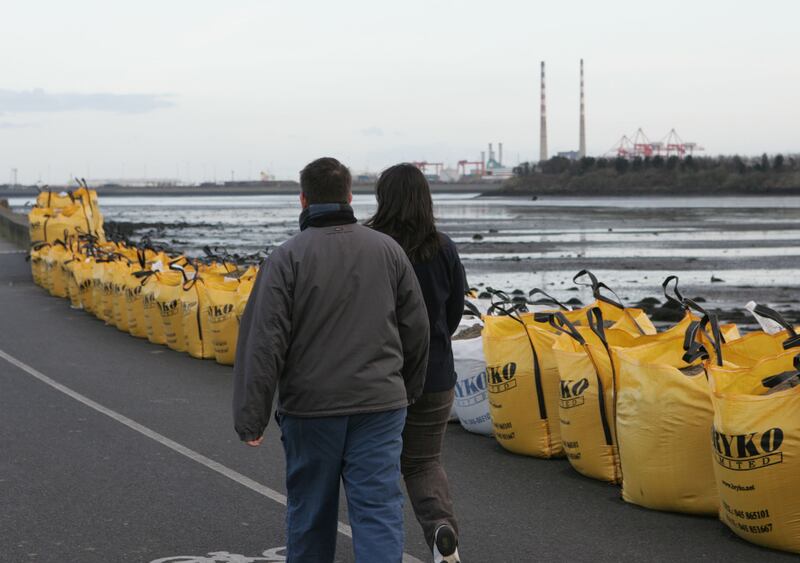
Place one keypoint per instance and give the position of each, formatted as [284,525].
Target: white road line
[13,251]
[231,474]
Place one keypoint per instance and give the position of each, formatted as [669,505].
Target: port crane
[641,146]
[478,168]
[423,165]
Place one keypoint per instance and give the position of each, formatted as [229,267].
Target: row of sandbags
[189,306]
[692,419]
[506,331]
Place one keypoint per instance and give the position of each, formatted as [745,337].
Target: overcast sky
[194,89]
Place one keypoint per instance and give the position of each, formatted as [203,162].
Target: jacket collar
[326,215]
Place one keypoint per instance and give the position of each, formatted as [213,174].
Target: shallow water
[752,243]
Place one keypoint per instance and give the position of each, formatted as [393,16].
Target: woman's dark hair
[405,211]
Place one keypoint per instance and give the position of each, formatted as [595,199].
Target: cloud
[30,101]
[373,131]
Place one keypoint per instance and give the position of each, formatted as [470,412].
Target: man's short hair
[326,180]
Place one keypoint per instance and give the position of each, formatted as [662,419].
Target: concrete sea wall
[14,227]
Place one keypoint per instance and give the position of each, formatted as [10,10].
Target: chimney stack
[543,124]
[483,158]
[582,143]
[500,154]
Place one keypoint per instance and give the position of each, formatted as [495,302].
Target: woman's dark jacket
[443,284]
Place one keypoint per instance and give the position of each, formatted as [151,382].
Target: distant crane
[622,149]
[478,167]
[673,142]
[423,165]
[641,146]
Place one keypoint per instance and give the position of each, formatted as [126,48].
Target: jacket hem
[345,411]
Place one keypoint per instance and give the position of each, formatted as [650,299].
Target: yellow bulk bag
[168,290]
[220,294]
[38,253]
[88,196]
[105,311]
[88,200]
[154,326]
[523,396]
[143,310]
[523,376]
[134,303]
[73,291]
[588,417]
[53,263]
[83,198]
[82,272]
[246,283]
[756,445]
[217,268]
[586,405]
[98,268]
[68,221]
[664,418]
[54,199]
[37,223]
[756,345]
[120,272]
[197,332]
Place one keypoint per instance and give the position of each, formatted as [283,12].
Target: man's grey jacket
[337,322]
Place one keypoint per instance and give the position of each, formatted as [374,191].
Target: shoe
[445,545]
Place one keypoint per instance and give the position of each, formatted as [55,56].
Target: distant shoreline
[517,190]
[513,188]
[689,176]
[267,188]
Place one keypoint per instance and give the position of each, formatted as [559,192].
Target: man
[337,322]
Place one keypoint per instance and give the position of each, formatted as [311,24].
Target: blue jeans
[363,451]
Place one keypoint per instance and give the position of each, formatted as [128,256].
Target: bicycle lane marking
[197,457]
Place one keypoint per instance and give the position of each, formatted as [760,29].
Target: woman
[405,212]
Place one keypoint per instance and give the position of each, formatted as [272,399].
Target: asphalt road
[158,472]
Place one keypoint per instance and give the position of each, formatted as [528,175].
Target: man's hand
[255,443]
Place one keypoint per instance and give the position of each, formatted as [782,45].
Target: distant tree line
[657,173]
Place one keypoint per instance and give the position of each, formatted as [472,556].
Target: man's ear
[303,200]
[350,197]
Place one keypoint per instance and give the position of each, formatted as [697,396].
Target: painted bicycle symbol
[270,555]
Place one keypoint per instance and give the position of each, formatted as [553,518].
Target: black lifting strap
[548,298]
[559,321]
[694,348]
[774,380]
[793,339]
[471,309]
[678,300]
[597,286]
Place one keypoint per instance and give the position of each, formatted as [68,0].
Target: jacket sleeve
[414,328]
[264,335]
[458,287]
